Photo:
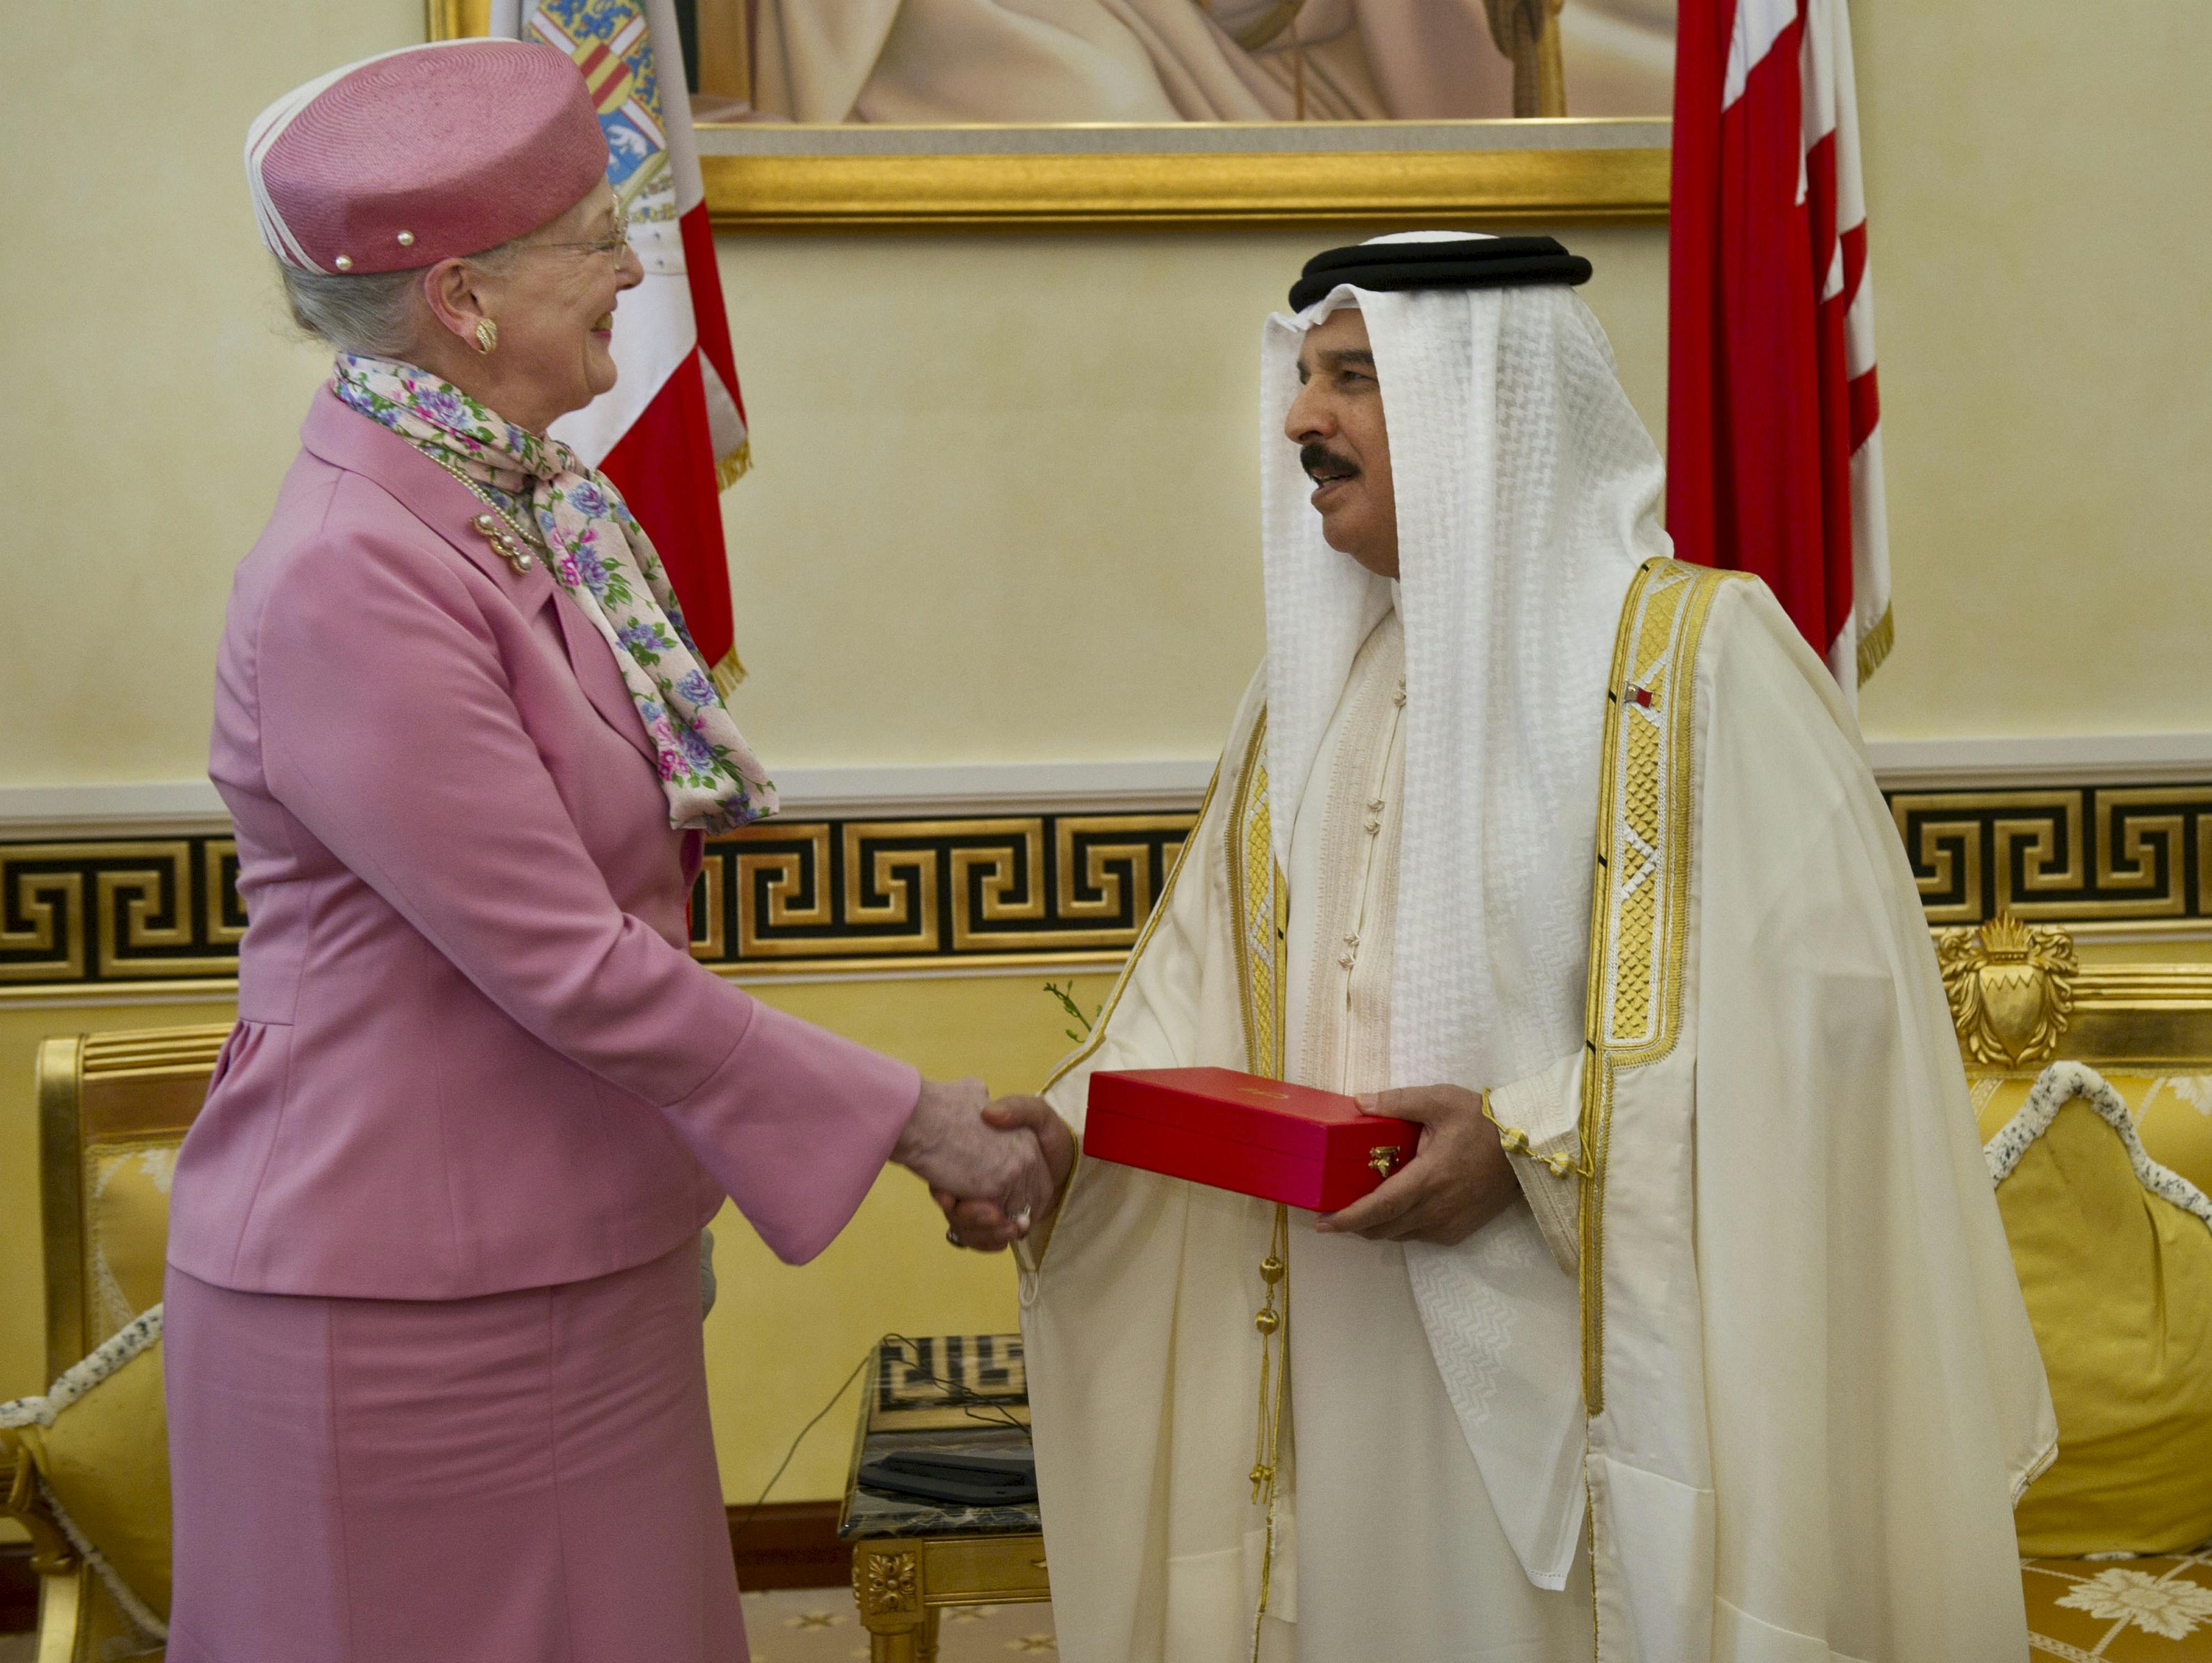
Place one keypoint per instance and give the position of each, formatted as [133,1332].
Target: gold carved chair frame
[95,1094]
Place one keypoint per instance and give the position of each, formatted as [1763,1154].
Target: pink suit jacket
[474,1053]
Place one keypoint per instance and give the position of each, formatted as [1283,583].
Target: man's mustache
[1323,464]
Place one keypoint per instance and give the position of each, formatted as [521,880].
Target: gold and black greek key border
[2106,856]
[93,912]
[150,913]
[823,894]
[158,914]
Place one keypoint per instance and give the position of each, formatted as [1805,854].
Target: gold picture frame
[1094,176]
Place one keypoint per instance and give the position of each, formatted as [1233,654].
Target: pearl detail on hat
[344,262]
[464,143]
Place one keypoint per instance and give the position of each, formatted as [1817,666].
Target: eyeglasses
[613,243]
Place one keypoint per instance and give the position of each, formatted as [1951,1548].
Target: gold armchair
[61,1576]
[2021,1000]
[113,1108]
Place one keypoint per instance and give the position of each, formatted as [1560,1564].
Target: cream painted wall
[2040,231]
[154,390]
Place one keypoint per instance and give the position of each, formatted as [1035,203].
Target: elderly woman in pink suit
[433,1357]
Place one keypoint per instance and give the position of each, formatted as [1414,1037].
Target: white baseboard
[992,788]
[1920,764]
[30,812]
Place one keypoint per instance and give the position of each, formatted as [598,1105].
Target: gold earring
[487,336]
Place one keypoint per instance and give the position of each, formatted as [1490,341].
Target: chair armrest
[20,1500]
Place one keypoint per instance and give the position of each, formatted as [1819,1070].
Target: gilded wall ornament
[2011,987]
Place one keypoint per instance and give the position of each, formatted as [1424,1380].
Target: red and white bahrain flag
[672,433]
[1773,434]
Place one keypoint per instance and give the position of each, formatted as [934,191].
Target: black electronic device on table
[983,1481]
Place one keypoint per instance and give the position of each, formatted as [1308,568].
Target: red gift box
[1240,1131]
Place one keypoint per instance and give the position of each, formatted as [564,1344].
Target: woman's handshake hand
[990,1161]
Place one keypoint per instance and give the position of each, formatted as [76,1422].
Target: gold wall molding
[157,916]
[1190,188]
[452,20]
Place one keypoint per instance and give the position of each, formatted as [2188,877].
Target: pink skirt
[525,1477]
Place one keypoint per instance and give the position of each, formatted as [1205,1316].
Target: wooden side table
[911,1558]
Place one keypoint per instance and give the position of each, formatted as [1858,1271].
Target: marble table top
[869,1514]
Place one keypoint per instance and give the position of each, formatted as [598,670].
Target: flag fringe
[734,466]
[728,673]
[1876,646]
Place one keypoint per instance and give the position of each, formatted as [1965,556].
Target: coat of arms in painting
[610,44]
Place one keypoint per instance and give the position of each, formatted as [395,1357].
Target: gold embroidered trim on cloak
[1097,1038]
[1259,909]
[1259,912]
[1639,905]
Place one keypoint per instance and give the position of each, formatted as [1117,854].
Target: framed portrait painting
[961,113]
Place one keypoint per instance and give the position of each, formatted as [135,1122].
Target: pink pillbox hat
[416,156]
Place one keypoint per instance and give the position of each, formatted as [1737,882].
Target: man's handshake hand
[990,1162]
[988,1227]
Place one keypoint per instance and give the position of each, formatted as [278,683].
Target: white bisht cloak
[1813,1392]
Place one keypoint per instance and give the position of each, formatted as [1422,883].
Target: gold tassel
[1274,1322]
[727,471]
[734,466]
[1559,1166]
[728,673]
[1877,645]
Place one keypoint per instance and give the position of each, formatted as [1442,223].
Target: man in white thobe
[1690,1332]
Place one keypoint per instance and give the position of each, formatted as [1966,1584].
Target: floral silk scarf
[602,557]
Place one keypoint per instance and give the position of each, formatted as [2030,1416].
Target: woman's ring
[953,1236]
